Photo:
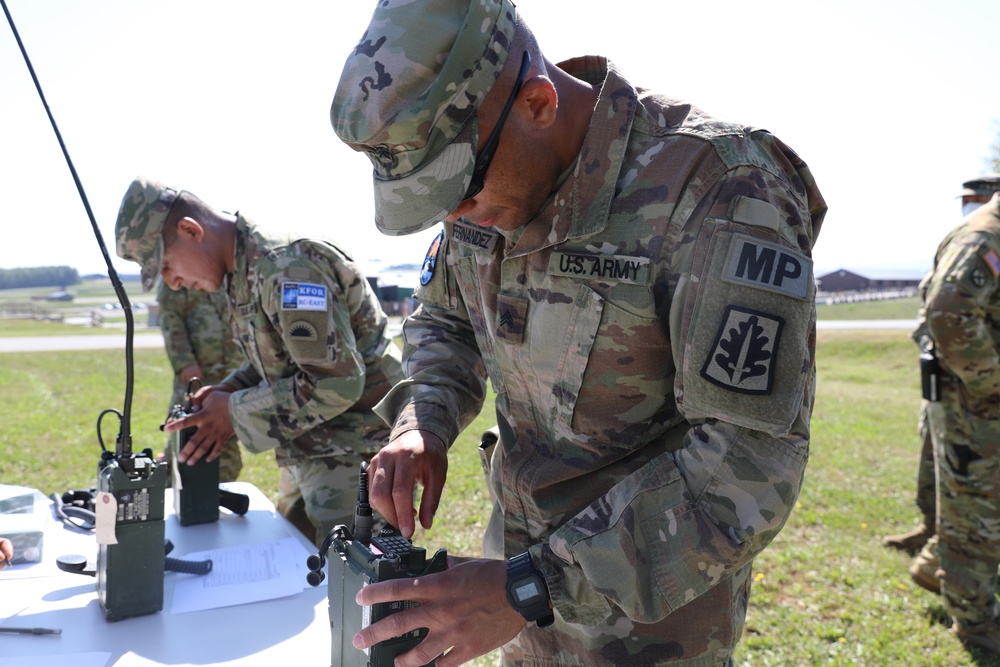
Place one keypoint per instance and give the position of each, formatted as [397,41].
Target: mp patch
[303,296]
[756,263]
[430,259]
[746,347]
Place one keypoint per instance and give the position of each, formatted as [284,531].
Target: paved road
[83,342]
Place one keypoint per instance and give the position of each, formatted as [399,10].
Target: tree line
[39,276]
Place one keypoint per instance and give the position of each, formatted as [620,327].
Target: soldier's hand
[211,418]
[192,371]
[413,457]
[6,552]
[463,608]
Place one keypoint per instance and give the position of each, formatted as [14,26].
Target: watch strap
[519,568]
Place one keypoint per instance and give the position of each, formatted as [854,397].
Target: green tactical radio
[356,560]
[197,496]
[130,572]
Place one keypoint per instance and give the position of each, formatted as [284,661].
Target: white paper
[96,659]
[242,574]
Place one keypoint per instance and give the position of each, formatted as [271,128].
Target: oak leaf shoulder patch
[743,357]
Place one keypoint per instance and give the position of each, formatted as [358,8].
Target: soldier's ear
[542,99]
[190,229]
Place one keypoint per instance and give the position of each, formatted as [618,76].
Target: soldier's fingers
[216,450]
[393,625]
[380,488]
[425,652]
[434,475]
[429,501]
[403,484]
[194,450]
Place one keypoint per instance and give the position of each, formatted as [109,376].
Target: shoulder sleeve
[959,294]
[445,385]
[317,371]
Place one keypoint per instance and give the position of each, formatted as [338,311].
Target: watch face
[527,591]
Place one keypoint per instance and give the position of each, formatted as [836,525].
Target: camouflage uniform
[926,477]
[318,359]
[195,326]
[650,337]
[963,316]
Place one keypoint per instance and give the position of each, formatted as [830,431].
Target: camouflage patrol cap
[408,95]
[982,185]
[139,229]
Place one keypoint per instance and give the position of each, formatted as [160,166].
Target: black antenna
[123,448]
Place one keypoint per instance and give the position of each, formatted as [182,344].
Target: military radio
[130,555]
[197,496]
[130,487]
[358,558]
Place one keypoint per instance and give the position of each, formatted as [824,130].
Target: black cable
[187,566]
[100,439]
[75,515]
[123,447]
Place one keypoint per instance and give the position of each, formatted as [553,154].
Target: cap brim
[423,198]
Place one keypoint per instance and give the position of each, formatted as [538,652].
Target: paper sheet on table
[96,659]
[242,574]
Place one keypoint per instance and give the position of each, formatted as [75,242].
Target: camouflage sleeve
[742,329]
[921,334]
[173,313]
[445,384]
[323,372]
[243,377]
[964,282]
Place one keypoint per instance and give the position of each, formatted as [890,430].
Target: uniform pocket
[617,375]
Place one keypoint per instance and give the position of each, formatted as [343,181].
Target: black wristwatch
[527,592]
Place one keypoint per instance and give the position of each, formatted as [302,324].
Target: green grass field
[825,592]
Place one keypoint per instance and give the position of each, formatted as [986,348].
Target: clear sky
[893,103]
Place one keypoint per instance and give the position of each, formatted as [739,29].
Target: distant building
[843,280]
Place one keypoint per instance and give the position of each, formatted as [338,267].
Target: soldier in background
[962,309]
[319,355]
[200,344]
[635,279]
[975,193]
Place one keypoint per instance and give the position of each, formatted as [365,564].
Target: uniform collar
[249,246]
[580,207]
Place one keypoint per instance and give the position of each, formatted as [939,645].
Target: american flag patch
[993,261]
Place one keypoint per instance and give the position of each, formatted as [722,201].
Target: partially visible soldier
[962,307]
[200,344]
[319,355]
[974,194]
